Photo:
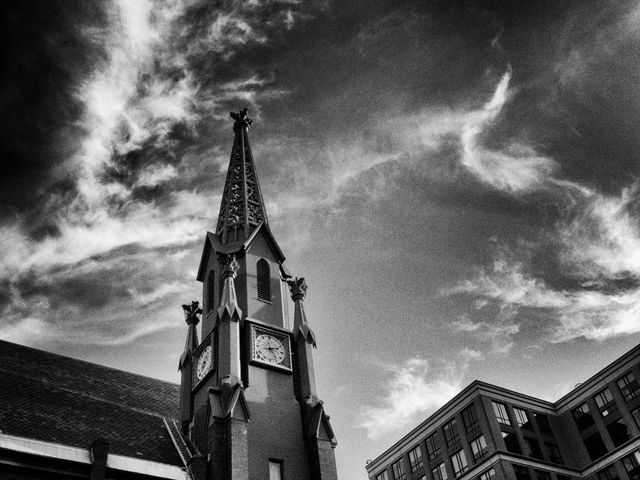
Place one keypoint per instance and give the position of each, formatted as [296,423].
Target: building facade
[490,433]
[247,406]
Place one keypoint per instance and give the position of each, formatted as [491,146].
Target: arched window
[264,280]
[211,290]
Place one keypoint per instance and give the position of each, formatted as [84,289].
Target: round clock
[269,349]
[204,363]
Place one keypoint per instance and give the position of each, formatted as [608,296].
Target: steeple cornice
[242,208]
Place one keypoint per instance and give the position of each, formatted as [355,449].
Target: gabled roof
[212,241]
[57,399]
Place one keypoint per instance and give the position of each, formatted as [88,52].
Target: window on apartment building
[470,420]
[632,465]
[459,462]
[554,453]
[608,473]
[618,431]
[629,386]
[534,447]
[522,418]
[397,469]
[543,423]
[433,448]
[488,475]
[383,476]
[542,475]
[451,434]
[500,410]
[275,470]
[595,446]
[440,473]
[635,413]
[582,416]
[522,473]
[605,402]
[478,448]
[511,442]
[415,458]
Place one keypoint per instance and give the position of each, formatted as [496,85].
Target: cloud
[412,392]
[578,312]
[516,169]
[26,330]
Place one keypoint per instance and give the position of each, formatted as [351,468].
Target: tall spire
[242,208]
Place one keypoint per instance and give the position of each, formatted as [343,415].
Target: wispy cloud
[516,169]
[412,391]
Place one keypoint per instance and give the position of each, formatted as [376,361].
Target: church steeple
[242,208]
[250,367]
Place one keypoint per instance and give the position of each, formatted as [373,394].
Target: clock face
[204,363]
[269,349]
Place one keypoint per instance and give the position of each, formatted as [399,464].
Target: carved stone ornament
[230,265]
[298,288]
[241,119]
[191,312]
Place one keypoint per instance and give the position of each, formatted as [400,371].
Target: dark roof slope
[49,397]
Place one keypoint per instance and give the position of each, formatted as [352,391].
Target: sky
[458,182]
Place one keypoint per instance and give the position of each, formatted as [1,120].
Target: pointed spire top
[242,208]
[241,119]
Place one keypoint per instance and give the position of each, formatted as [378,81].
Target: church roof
[57,399]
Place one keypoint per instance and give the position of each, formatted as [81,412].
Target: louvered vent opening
[264,280]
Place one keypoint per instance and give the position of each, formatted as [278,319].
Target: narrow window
[582,416]
[488,475]
[618,432]
[433,449]
[522,473]
[543,423]
[264,280]
[554,453]
[398,470]
[451,433]
[608,473]
[470,420]
[604,401]
[211,290]
[522,418]
[275,470]
[478,448]
[440,473]
[632,465]
[415,458]
[382,476]
[459,462]
[595,446]
[501,413]
[629,387]
[511,442]
[534,447]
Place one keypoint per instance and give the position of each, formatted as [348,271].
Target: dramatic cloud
[412,392]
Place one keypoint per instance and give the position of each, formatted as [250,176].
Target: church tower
[249,406]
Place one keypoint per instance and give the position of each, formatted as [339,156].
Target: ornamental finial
[230,265]
[191,312]
[241,119]
[298,288]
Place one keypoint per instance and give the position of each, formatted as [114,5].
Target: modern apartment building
[490,433]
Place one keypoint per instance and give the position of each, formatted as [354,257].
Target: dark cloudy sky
[459,182]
